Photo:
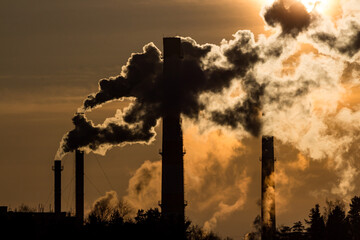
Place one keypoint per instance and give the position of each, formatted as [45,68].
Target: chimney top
[172,46]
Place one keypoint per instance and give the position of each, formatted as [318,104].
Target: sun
[310,5]
[313,4]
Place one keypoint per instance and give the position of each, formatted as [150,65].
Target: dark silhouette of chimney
[172,188]
[268,223]
[79,185]
[57,168]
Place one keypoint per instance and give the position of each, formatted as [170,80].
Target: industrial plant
[172,185]
[268,223]
[172,188]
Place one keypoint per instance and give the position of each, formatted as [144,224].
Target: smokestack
[172,188]
[268,224]
[79,185]
[57,168]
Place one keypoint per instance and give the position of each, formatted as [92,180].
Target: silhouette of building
[79,185]
[172,189]
[32,224]
[268,221]
[57,168]
[36,225]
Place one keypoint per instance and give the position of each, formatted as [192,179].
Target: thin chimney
[57,168]
[172,188]
[79,185]
[268,222]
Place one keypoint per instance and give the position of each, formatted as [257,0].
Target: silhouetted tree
[354,218]
[285,229]
[337,226]
[149,224]
[256,234]
[316,230]
[25,208]
[298,231]
[100,214]
[284,233]
[298,227]
[195,232]
[103,213]
[151,216]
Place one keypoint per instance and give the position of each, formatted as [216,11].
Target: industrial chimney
[172,188]
[268,224]
[57,168]
[79,185]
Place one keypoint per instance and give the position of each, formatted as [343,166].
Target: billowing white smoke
[215,180]
[144,189]
[304,102]
[300,80]
[106,207]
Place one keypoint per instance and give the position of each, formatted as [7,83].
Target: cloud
[224,209]
[144,186]
[238,88]
[302,163]
[343,41]
[292,20]
[209,157]
[204,68]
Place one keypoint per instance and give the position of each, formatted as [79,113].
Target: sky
[53,54]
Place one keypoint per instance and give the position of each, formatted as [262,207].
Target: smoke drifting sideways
[205,69]
[241,84]
[256,68]
[305,107]
[268,100]
[342,38]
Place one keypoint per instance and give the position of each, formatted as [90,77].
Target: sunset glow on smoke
[321,6]
[300,77]
[313,4]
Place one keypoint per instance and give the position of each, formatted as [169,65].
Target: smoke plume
[210,156]
[205,69]
[144,186]
[297,85]
[292,20]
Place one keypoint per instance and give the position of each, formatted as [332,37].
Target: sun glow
[313,4]
[310,5]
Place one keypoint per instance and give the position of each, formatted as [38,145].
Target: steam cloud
[296,78]
[208,155]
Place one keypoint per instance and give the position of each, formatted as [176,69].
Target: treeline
[119,221]
[334,224]
[104,221]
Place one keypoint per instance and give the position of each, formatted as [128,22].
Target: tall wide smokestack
[79,185]
[268,224]
[57,168]
[172,189]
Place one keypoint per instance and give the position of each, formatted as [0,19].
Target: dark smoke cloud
[246,113]
[292,20]
[142,79]
[141,72]
[241,55]
[346,42]
[293,91]
[87,134]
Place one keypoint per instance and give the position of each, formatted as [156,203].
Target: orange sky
[52,55]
